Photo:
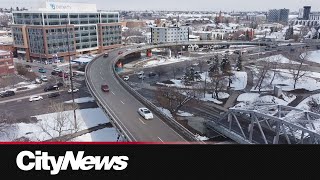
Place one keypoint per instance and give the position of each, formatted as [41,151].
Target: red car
[120,52]
[105,88]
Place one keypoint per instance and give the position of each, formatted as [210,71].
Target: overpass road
[123,107]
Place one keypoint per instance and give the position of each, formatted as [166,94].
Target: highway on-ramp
[123,107]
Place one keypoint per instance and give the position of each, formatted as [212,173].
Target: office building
[169,34]
[46,33]
[278,16]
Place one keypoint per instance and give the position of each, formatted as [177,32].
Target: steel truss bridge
[269,124]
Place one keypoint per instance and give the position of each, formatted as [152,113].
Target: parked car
[142,76]
[126,78]
[145,113]
[42,70]
[60,84]
[105,88]
[7,94]
[44,78]
[74,90]
[54,73]
[152,74]
[139,46]
[53,95]
[57,69]
[27,66]
[35,98]
[51,88]
[38,81]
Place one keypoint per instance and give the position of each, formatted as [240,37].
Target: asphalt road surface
[124,106]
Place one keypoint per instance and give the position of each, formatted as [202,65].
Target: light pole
[71,79]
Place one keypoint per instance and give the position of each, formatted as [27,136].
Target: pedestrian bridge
[269,124]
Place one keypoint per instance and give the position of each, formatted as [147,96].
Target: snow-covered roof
[83,59]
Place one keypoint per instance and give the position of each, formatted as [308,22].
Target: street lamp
[71,77]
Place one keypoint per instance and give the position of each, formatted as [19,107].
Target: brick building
[6,63]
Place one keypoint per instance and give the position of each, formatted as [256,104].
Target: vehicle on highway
[74,90]
[105,88]
[106,55]
[7,94]
[120,52]
[51,88]
[152,74]
[35,98]
[53,95]
[145,113]
[126,78]
[42,70]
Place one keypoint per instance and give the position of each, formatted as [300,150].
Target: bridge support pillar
[169,52]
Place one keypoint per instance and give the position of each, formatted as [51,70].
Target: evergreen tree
[239,63]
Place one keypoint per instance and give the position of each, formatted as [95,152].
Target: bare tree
[175,71]
[61,124]
[217,84]
[201,65]
[160,71]
[263,73]
[21,69]
[298,71]
[7,123]
[173,99]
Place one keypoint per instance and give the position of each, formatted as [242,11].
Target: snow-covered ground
[314,56]
[86,118]
[249,99]
[239,79]
[184,114]
[285,80]
[177,83]
[165,111]
[278,58]
[22,85]
[81,100]
[163,61]
[304,104]
[221,95]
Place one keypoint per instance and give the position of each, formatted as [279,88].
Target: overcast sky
[201,5]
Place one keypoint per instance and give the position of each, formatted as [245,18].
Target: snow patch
[81,100]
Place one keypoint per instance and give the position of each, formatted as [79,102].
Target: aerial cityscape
[86,71]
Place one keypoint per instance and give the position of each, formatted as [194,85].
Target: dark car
[106,55]
[152,74]
[105,88]
[53,95]
[51,88]
[28,66]
[7,94]
[59,84]
[54,73]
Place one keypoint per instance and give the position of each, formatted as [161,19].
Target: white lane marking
[160,139]
[112,93]
[101,78]
[122,102]
[100,73]
[142,121]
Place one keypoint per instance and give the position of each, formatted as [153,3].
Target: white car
[74,90]
[126,78]
[44,78]
[145,113]
[35,98]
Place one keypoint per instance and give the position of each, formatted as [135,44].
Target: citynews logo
[42,161]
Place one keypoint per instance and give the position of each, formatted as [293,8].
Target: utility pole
[71,79]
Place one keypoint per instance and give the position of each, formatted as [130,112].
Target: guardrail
[173,123]
[101,104]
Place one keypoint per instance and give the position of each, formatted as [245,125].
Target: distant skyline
[183,5]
